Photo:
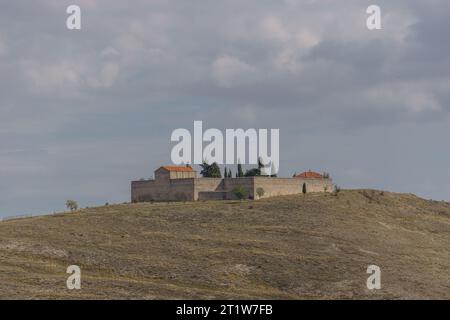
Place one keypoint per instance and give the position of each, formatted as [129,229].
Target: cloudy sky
[84,112]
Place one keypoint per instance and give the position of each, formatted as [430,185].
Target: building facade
[180,183]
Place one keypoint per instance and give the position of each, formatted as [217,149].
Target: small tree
[72,205]
[206,169]
[240,192]
[260,192]
[337,189]
[215,171]
[240,172]
[253,172]
[210,171]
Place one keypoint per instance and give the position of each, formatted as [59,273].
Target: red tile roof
[309,175]
[178,168]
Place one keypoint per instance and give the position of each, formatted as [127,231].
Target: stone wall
[182,189]
[212,195]
[162,190]
[165,189]
[162,174]
[245,182]
[285,186]
[317,185]
[278,186]
[142,191]
[206,185]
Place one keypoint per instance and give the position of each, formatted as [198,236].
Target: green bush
[240,193]
[337,189]
[260,192]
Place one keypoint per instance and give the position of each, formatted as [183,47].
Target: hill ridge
[290,247]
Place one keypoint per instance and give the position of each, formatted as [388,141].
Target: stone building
[180,183]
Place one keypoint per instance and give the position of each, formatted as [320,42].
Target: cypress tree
[240,172]
[215,171]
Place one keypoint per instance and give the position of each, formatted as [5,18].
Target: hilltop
[291,247]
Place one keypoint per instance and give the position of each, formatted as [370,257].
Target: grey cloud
[103,101]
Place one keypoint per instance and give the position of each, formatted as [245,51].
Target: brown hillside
[293,247]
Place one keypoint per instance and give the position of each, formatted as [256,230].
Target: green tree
[240,192]
[206,170]
[240,172]
[210,171]
[215,171]
[253,172]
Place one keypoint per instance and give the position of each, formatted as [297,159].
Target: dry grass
[295,247]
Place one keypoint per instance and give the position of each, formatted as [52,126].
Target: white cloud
[288,59]
[53,76]
[310,68]
[404,96]
[229,71]
[69,76]
[273,29]
[307,39]
[105,77]
[110,52]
